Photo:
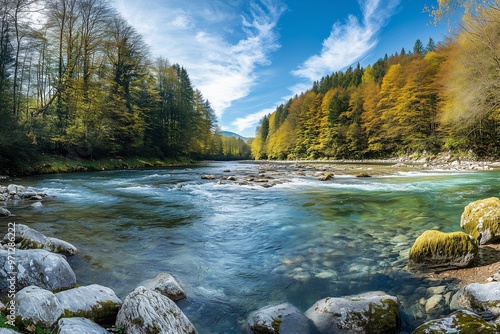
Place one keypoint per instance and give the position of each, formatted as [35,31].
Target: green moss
[98,312]
[276,324]
[382,318]
[459,322]
[435,245]
[485,212]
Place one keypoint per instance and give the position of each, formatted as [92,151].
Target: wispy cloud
[224,68]
[349,41]
[250,120]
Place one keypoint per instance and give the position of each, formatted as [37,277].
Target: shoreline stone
[94,302]
[481,219]
[439,250]
[37,267]
[37,306]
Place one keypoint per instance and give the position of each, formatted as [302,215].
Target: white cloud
[348,42]
[223,70]
[250,120]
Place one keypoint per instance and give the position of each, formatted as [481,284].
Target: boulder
[481,219]
[36,267]
[479,298]
[13,189]
[370,313]
[439,250]
[147,311]
[95,302]
[4,212]
[208,177]
[79,325]
[37,306]
[458,322]
[28,238]
[283,318]
[165,284]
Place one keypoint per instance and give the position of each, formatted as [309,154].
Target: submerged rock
[37,306]
[36,267]
[79,325]
[283,318]
[147,311]
[458,322]
[479,298]
[439,250]
[165,284]
[481,219]
[4,212]
[95,302]
[370,313]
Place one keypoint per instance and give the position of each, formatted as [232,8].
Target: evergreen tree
[418,48]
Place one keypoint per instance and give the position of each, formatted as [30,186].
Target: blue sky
[248,56]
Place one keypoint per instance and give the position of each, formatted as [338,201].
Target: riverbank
[59,164]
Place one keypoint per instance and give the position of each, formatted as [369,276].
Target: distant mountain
[232,134]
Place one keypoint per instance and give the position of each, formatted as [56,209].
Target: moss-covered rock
[371,312]
[481,219]
[464,322]
[283,318]
[439,250]
[95,302]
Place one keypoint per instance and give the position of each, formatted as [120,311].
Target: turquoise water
[235,248]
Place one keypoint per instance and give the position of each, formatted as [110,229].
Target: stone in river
[440,250]
[370,313]
[283,318]
[147,311]
[166,285]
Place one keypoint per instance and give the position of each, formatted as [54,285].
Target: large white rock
[38,306]
[147,311]
[35,267]
[370,313]
[283,318]
[165,284]
[94,302]
[79,325]
[479,298]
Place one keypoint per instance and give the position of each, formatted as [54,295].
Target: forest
[434,98]
[77,80]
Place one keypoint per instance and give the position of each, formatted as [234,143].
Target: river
[235,249]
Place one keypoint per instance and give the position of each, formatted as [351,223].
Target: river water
[235,249]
